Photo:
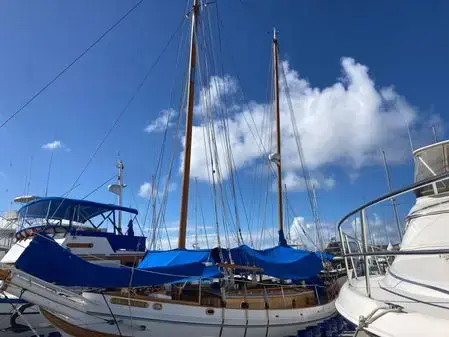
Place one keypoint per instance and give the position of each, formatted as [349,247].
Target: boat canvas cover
[175,257]
[68,209]
[325,256]
[282,262]
[47,260]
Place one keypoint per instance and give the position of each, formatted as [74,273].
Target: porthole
[210,311]
[157,306]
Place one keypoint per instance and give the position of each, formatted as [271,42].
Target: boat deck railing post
[365,250]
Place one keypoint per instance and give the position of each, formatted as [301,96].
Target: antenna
[118,189]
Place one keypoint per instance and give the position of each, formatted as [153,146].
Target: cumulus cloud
[344,124]
[296,183]
[305,233]
[215,94]
[146,190]
[165,120]
[57,144]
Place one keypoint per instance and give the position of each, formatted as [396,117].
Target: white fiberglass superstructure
[412,297]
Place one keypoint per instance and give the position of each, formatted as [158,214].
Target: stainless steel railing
[368,253]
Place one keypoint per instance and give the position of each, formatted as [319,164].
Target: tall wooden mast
[278,131]
[188,132]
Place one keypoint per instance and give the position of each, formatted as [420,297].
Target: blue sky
[383,48]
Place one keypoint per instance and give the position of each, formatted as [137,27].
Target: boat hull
[94,314]
[176,319]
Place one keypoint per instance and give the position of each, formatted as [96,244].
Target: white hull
[352,303]
[175,319]
[92,313]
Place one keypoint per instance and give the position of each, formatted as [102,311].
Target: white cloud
[57,144]
[146,189]
[344,124]
[296,183]
[305,234]
[215,95]
[165,120]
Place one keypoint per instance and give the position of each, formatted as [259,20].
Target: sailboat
[216,292]
[410,298]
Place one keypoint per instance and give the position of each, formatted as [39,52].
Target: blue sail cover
[283,262]
[47,260]
[175,257]
[180,259]
[325,256]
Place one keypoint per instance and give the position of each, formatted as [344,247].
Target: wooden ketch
[223,306]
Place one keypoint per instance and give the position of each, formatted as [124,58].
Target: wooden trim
[128,302]
[237,266]
[80,245]
[153,299]
[74,330]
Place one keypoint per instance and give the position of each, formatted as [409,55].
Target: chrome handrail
[413,187]
[364,251]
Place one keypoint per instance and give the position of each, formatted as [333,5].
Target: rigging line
[49,171]
[208,148]
[70,190]
[112,314]
[65,69]
[204,223]
[224,115]
[182,43]
[163,203]
[136,92]
[301,152]
[128,104]
[97,188]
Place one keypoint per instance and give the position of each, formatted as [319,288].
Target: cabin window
[244,305]
[431,162]
[210,311]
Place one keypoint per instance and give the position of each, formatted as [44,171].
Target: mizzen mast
[188,131]
[278,137]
